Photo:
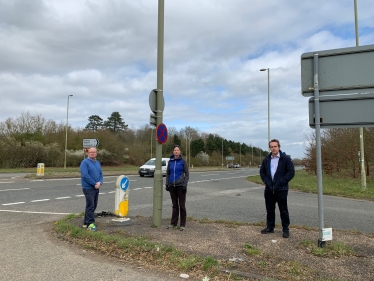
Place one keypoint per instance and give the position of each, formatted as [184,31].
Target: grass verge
[335,185]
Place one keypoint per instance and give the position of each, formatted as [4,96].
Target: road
[28,207]
[224,195]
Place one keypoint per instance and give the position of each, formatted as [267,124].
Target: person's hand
[97,185]
[167,188]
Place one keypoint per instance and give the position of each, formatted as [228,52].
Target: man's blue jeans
[92,196]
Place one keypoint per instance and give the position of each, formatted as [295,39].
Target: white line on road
[80,195]
[15,203]
[40,200]
[67,197]
[15,189]
[7,181]
[29,212]
[36,180]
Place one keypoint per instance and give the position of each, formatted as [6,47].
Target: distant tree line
[340,151]
[27,140]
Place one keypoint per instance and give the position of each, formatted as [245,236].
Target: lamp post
[362,155]
[268,70]
[252,156]
[66,129]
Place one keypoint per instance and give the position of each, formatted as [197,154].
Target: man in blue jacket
[276,171]
[91,179]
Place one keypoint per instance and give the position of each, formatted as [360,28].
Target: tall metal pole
[362,153]
[252,157]
[151,141]
[268,70]
[66,130]
[321,243]
[222,152]
[158,180]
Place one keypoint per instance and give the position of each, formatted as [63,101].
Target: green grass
[251,250]
[333,249]
[137,247]
[336,185]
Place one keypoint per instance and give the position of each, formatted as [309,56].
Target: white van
[148,169]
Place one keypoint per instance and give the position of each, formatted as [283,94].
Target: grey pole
[362,156]
[268,70]
[321,243]
[158,180]
[66,130]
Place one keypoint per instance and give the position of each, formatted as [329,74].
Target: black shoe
[286,234]
[267,230]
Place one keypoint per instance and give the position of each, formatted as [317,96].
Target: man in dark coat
[276,171]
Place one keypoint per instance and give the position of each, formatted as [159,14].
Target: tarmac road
[28,207]
[28,253]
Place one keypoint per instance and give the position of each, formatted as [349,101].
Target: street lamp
[66,134]
[268,70]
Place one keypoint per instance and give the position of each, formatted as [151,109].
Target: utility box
[40,169]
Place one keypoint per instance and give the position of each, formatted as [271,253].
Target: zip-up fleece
[285,172]
[177,173]
[90,173]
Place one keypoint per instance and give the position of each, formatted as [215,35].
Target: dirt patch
[278,258]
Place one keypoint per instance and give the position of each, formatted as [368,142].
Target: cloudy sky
[104,53]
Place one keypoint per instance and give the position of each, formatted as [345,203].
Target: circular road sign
[124,183]
[162,133]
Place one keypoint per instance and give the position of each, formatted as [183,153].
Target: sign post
[347,84]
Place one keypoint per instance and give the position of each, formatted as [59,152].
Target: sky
[104,53]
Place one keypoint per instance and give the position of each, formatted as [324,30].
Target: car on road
[148,169]
[230,165]
[237,165]
[259,166]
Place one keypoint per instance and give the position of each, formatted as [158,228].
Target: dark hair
[275,140]
[176,145]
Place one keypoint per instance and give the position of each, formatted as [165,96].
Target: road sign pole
[321,243]
[158,179]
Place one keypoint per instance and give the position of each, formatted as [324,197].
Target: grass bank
[336,185]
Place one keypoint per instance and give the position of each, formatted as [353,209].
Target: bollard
[122,200]
[40,169]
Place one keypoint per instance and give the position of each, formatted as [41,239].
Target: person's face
[274,148]
[92,153]
[176,152]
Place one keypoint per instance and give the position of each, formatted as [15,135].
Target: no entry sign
[162,133]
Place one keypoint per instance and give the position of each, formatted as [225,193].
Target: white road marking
[15,189]
[29,212]
[40,200]
[15,203]
[7,181]
[67,197]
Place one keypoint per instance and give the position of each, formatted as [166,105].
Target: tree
[176,140]
[115,123]
[95,123]
[197,146]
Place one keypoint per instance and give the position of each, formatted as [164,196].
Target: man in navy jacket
[276,171]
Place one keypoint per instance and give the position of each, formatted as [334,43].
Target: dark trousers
[178,200]
[271,198]
[92,196]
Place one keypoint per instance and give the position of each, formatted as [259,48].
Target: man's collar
[278,156]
